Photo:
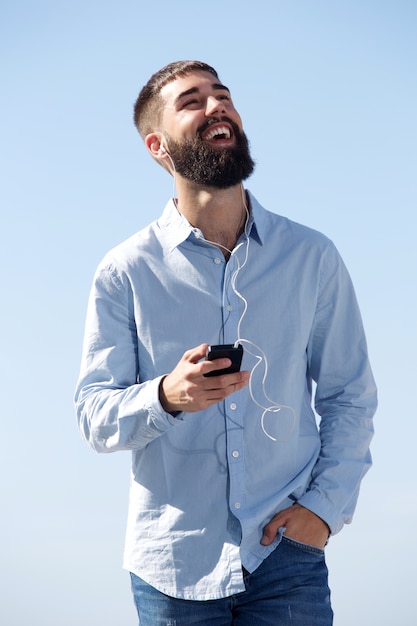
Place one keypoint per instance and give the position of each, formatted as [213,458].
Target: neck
[220,214]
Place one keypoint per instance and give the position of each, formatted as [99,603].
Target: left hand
[301,524]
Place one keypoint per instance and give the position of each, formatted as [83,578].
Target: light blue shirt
[204,484]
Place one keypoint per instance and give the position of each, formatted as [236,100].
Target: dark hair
[149,103]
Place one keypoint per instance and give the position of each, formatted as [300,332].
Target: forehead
[199,81]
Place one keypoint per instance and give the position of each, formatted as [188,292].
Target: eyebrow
[188,92]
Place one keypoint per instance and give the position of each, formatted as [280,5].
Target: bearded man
[236,486]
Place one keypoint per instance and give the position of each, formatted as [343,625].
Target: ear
[153,143]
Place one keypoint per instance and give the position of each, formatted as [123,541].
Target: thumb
[270,532]
[196,354]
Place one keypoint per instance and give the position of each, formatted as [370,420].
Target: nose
[214,105]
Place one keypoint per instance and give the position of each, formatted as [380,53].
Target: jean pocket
[303,546]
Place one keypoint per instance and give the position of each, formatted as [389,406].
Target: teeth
[221,130]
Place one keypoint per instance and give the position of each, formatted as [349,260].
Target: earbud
[163,149]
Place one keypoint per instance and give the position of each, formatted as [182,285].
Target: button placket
[232,308]
[235,445]
[234,419]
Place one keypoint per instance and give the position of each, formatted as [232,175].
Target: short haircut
[149,104]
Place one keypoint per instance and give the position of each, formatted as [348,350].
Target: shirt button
[229,307]
[233,406]
[217,261]
[235,454]
[237,505]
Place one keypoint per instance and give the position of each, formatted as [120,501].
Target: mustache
[215,120]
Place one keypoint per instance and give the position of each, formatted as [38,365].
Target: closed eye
[191,103]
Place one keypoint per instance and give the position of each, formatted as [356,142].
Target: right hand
[187,389]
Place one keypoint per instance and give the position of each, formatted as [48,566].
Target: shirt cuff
[320,505]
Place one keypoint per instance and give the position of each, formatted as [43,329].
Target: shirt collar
[257,219]
[176,228]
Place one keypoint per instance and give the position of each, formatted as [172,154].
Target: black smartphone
[229,351]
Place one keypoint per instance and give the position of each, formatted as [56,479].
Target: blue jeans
[289,588]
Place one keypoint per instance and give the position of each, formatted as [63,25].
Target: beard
[205,165]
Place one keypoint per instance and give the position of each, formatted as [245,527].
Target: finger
[236,381]
[213,391]
[271,529]
[270,532]
[196,354]
[228,380]
[212,366]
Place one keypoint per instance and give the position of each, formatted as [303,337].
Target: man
[234,490]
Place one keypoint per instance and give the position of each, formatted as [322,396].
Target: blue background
[327,92]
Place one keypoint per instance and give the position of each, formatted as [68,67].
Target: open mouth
[219,132]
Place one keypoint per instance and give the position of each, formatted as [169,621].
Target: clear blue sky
[328,94]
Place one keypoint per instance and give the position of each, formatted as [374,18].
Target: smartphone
[229,351]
